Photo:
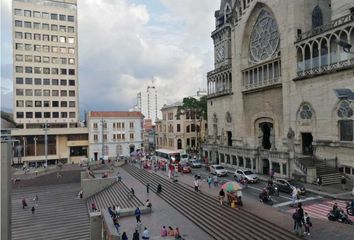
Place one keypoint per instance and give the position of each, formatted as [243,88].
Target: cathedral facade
[280,97]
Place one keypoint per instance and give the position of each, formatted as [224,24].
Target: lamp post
[46,125]
[346,48]
[103,126]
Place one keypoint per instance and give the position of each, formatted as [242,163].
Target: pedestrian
[81,193]
[343,182]
[124,236]
[148,203]
[170,231]
[294,196]
[137,215]
[24,203]
[136,235]
[131,193]
[115,222]
[147,188]
[163,232]
[216,181]
[295,218]
[196,185]
[33,209]
[93,207]
[35,199]
[319,182]
[117,212]
[177,234]
[146,234]
[271,173]
[308,224]
[221,196]
[209,180]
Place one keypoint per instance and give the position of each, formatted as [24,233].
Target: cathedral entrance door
[307,148]
[265,164]
[95,154]
[266,133]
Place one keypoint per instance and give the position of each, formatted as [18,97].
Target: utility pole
[46,125]
[102,124]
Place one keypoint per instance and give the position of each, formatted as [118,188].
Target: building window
[63,71]
[71,71]
[18,12]
[45,38]
[37,59]
[46,114]
[37,92]
[63,60]
[72,61]
[54,38]
[28,13]
[71,40]
[71,103]
[346,130]
[46,70]
[28,47]
[63,93]
[37,70]
[46,81]
[55,60]
[62,17]
[46,93]
[45,26]
[62,28]
[29,114]
[19,58]
[18,23]
[71,18]
[46,49]
[95,137]
[46,104]
[19,114]
[54,49]
[62,39]
[28,25]
[317,17]
[19,103]
[55,71]
[55,114]
[72,115]
[71,50]
[55,103]
[64,115]
[29,92]
[38,103]
[45,15]
[28,36]
[37,81]
[37,26]
[19,80]
[54,16]
[19,46]
[55,93]
[18,35]
[63,82]
[71,82]
[64,104]
[46,59]
[37,14]
[19,69]
[55,82]
[131,136]
[54,27]
[131,125]
[71,29]
[38,114]
[28,81]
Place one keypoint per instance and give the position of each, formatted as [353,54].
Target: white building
[149,104]
[113,134]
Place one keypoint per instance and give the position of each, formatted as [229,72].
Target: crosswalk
[320,210]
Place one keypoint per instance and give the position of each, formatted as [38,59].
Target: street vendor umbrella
[232,186]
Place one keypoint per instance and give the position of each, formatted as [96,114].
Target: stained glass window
[305,112]
[345,110]
[317,18]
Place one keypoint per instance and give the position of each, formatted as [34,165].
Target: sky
[124,44]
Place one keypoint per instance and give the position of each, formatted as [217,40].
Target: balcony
[220,82]
[264,75]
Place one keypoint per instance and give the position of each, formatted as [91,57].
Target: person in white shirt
[294,196]
[196,185]
[146,234]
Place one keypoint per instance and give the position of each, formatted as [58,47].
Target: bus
[168,155]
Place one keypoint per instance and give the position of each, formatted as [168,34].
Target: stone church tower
[280,96]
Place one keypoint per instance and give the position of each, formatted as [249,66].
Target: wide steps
[332,178]
[60,215]
[235,224]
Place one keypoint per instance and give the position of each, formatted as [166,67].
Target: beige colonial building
[181,133]
[280,96]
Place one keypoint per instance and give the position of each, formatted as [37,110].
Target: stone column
[5,187]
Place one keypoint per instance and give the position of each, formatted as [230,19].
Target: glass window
[63,103]
[72,93]
[29,103]
[54,27]
[55,103]
[28,36]
[45,38]
[63,71]
[72,115]
[62,39]
[63,50]
[19,103]
[29,92]
[62,17]
[63,82]
[55,82]
[19,69]
[29,81]
[36,25]
[38,103]
[71,29]
[29,114]
[45,15]
[38,114]
[37,59]
[38,92]
[18,12]
[28,70]
[46,104]
[54,49]
[19,58]
[45,26]
[346,130]
[64,115]
[54,38]
[46,59]
[37,81]
[37,70]
[63,93]
[71,71]
[46,93]
[63,60]
[45,48]
[37,36]
[19,92]
[28,13]
[70,18]
[46,114]
[71,50]
[19,46]
[71,60]
[28,47]
[18,23]
[37,48]
[72,104]
[46,81]
[71,82]
[46,70]
[55,93]
[54,16]
[18,35]
[71,40]
[55,60]
[55,71]
[62,28]
[37,14]
[28,58]
[19,114]
[28,25]
[55,114]
[19,80]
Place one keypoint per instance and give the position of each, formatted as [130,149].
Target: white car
[195,164]
[218,170]
[184,157]
[246,174]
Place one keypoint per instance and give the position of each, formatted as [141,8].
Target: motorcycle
[349,209]
[266,199]
[339,217]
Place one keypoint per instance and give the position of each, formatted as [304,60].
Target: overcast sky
[123,44]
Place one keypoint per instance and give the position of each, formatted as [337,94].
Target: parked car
[246,174]
[185,157]
[218,170]
[184,167]
[195,164]
[287,186]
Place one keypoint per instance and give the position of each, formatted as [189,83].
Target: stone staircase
[60,215]
[330,175]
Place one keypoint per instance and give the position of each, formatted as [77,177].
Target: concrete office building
[149,104]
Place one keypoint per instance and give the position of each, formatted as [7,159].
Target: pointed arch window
[317,17]
[345,110]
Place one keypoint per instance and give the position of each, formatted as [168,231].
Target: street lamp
[46,125]
[346,48]
[103,122]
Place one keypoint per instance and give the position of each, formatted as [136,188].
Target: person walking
[209,180]
[136,235]
[35,199]
[33,209]
[216,181]
[24,203]
[124,236]
[137,215]
[319,182]
[343,181]
[308,224]
[163,232]
[221,196]
[146,234]
[147,187]
[93,207]
[294,196]
[196,184]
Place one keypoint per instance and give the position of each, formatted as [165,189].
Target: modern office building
[114,134]
[45,80]
[149,104]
